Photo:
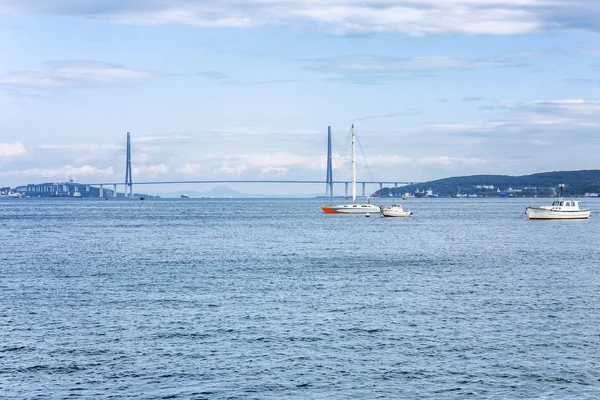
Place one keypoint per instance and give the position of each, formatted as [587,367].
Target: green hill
[577,183]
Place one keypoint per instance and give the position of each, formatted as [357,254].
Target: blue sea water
[271,299]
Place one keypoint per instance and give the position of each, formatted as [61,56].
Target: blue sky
[246,89]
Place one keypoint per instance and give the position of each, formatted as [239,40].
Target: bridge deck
[253,181]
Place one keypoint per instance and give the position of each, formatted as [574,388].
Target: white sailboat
[352,208]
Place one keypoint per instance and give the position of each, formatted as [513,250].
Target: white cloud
[160,138]
[190,168]
[445,160]
[469,126]
[149,170]
[413,17]
[278,159]
[277,171]
[231,170]
[389,160]
[62,172]
[12,149]
[78,147]
[419,18]
[574,106]
[368,69]
[69,74]
[264,163]
[390,64]
[257,130]
[553,113]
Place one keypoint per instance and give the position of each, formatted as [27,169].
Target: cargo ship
[425,194]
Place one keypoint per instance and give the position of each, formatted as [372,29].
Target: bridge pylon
[128,180]
[329,179]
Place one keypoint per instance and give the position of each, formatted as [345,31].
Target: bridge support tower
[128,180]
[329,179]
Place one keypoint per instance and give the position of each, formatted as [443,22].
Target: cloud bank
[412,17]
[69,74]
[12,150]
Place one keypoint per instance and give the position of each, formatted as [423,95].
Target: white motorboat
[353,208]
[560,209]
[14,195]
[395,210]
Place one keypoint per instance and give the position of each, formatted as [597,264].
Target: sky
[245,89]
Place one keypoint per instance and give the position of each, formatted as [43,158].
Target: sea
[273,299]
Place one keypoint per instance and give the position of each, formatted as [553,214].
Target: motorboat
[395,210]
[353,208]
[560,209]
[14,195]
[185,196]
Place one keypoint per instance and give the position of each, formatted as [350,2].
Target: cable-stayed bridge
[329,182]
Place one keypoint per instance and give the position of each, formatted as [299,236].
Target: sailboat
[352,208]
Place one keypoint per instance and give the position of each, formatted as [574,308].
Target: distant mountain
[577,183]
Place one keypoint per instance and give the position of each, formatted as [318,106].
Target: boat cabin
[565,204]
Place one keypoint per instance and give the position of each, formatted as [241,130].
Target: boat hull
[351,209]
[544,213]
[395,211]
[388,213]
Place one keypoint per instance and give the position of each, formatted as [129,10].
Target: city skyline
[246,90]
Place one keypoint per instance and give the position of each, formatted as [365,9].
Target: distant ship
[185,196]
[425,194]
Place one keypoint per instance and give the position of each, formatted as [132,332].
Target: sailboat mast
[353,168]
